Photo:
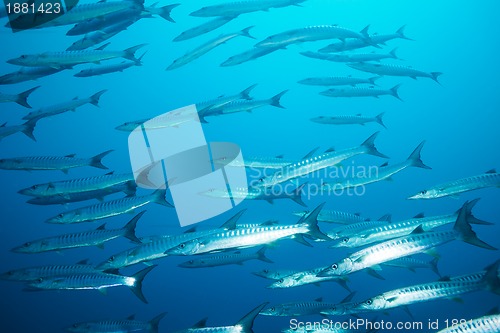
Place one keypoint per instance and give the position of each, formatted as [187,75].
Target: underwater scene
[249,166]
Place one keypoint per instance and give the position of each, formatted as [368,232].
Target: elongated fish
[34,273]
[27,74]
[64,107]
[250,237]
[224,100]
[383,172]
[310,34]
[412,264]
[293,309]
[241,7]
[485,324]
[203,28]
[393,70]
[320,162]
[258,193]
[81,239]
[357,227]
[417,242]
[431,291]
[306,277]
[95,71]
[207,47]
[338,81]
[118,325]
[274,274]
[156,246]
[264,162]
[109,208]
[334,216]
[349,120]
[21,99]
[362,92]
[70,58]
[352,44]
[97,37]
[27,128]
[489,179]
[235,258]
[52,162]
[97,281]
[355,57]
[244,325]
[249,55]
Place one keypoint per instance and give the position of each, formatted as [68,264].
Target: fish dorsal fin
[348,298]
[491,171]
[231,223]
[193,229]
[109,173]
[70,155]
[3,125]
[310,154]
[329,150]
[131,317]
[418,230]
[202,323]
[445,279]
[83,262]
[493,311]
[384,165]
[75,98]
[385,218]
[102,47]
[419,216]
[319,299]
[102,227]
[280,156]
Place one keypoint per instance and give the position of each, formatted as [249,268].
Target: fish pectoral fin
[101,246]
[103,291]
[457,300]
[65,171]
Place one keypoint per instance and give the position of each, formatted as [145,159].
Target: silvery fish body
[233,9]
[393,70]
[34,273]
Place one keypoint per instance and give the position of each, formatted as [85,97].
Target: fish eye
[273,309]
[369,302]
[34,187]
[111,259]
[191,261]
[39,280]
[27,244]
[182,245]
[335,266]
[346,240]
[60,215]
[266,271]
[281,281]
[10,273]
[23,56]
[423,192]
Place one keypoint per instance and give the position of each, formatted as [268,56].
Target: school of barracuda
[383,242]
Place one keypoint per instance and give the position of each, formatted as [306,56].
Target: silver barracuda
[78,185]
[27,74]
[207,47]
[274,274]
[241,7]
[236,258]
[71,105]
[258,193]
[249,55]
[95,71]
[224,100]
[26,128]
[393,70]
[412,264]
[306,277]
[489,179]
[357,227]
[362,92]
[417,242]
[204,28]
[21,99]
[384,172]
[130,324]
[293,309]
[334,216]
[352,44]
[349,120]
[155,247]
[485,324]
[355,57]
[97,37]
[63,163]
[338,81]
[311,34]
[66,59]
[250,237]
[81,239]
[431,291]
[328,159]
[109,208]
[244,325]
[97,281]
[34,273]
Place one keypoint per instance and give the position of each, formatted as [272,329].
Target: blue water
[459,120]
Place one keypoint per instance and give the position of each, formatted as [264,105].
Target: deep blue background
[459,120]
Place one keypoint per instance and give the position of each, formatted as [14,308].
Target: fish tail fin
[373,79]
[22,98]
[311,220]
[29,127]
[246,32]
[138,62]
[130,52]
[262,256]
[155,322]
[434,266]
[415,160]
[369,144]
[245,94]
[366,37]
[393,53]
[138,279]
[379,119]
[491,277]
[394,91]
[471,218]
[129,228]
[94,99]
[165,12]
[96,160]
[435,75]
[464,230]
[401,33]
[159,197]
[246,322]
[275,100]
[297,195]
[130,188]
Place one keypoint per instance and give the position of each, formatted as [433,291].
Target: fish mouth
[413,197]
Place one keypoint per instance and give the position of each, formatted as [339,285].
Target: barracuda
[293,309]
[333,216]
[486,324]
[125,325]
[203,28]
[361,92]
[349,120]
[307,277]
[28,74]
[63,163]
[27,129]
[109,208]
[109,68]
[338,81]
[357,227]
[97,281]
[355,57]
[241,7]
[431,291]
[156,247]
[393,70]
[249,55]
[207,47]
[414,263]
[489,179]
[320,162]
[398,229]
[81,239]
[417,242]
[274,274]
[242,238]
[236,258]
[34,273]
